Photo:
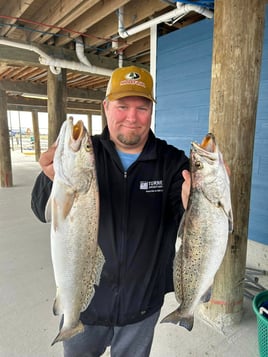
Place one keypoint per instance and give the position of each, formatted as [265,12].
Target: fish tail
[66,333]
[187,322]
[176,317]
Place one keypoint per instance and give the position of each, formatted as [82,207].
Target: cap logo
[132,78]
[132,75]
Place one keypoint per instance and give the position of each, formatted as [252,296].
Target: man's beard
[129,139]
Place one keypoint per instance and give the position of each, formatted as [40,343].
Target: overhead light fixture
[34,96]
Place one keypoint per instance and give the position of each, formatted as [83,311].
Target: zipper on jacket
[124,225]
[122,247]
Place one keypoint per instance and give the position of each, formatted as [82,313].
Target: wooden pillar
[237,50]
[56,103]
[37,147]
[89,123]
[103,118]
[5,156]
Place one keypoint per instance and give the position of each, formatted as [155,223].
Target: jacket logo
[152,186]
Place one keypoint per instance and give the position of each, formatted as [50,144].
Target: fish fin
[230,221]
[61,206]
[67,204]
[181,229]
[187,322]
[206,297]
[175,317]
[48,210]
[99,262]
[66,334]
[57,305]
[95,278]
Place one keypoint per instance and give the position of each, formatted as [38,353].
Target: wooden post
[89,123]
[5,156]
[103,118]
[56,103]
[36,135]
[237,50]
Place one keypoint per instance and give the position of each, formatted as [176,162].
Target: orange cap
[130,81]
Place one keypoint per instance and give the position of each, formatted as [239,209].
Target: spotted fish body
[76,257]
[203,232]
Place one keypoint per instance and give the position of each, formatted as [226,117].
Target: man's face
[129,121]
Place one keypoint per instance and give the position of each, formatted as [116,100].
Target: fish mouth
[77,134]
[208,144]
[78,130]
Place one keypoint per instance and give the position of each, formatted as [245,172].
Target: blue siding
[183,93]
[183,84]
[258,223]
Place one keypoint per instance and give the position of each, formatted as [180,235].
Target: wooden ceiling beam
[140,46]
[61,14]
[41,89]
[89,18]
[38,104]
[134,13]
[21,57]
[13,10]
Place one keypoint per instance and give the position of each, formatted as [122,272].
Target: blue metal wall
[183,84]
[183,93]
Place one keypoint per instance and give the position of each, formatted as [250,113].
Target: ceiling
[56,28]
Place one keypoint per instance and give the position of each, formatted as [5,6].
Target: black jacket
[140,211]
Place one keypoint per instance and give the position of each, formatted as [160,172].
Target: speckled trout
[77,259]
[203,232]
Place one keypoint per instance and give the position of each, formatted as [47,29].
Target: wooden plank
[41,89]
[237,50]
[135,12]
[141,46]
[89,18]
[59,13]
[13,10]
[74,108]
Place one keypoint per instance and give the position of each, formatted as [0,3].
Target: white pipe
[120,59]
[181,10]
[55,70]
[57,63]
[79,48]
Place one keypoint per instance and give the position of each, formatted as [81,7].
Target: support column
[56,103]
[89,123]
[103,118]
[6,179]
[237,50]
[37,147]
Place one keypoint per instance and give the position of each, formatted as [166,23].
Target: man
[144,186]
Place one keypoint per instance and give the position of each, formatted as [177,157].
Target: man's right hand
[46,161]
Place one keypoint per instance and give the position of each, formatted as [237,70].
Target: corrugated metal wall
[183,90]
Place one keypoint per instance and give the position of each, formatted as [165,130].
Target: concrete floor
[27,324]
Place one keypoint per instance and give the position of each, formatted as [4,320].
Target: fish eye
[88,147]
[198,165]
